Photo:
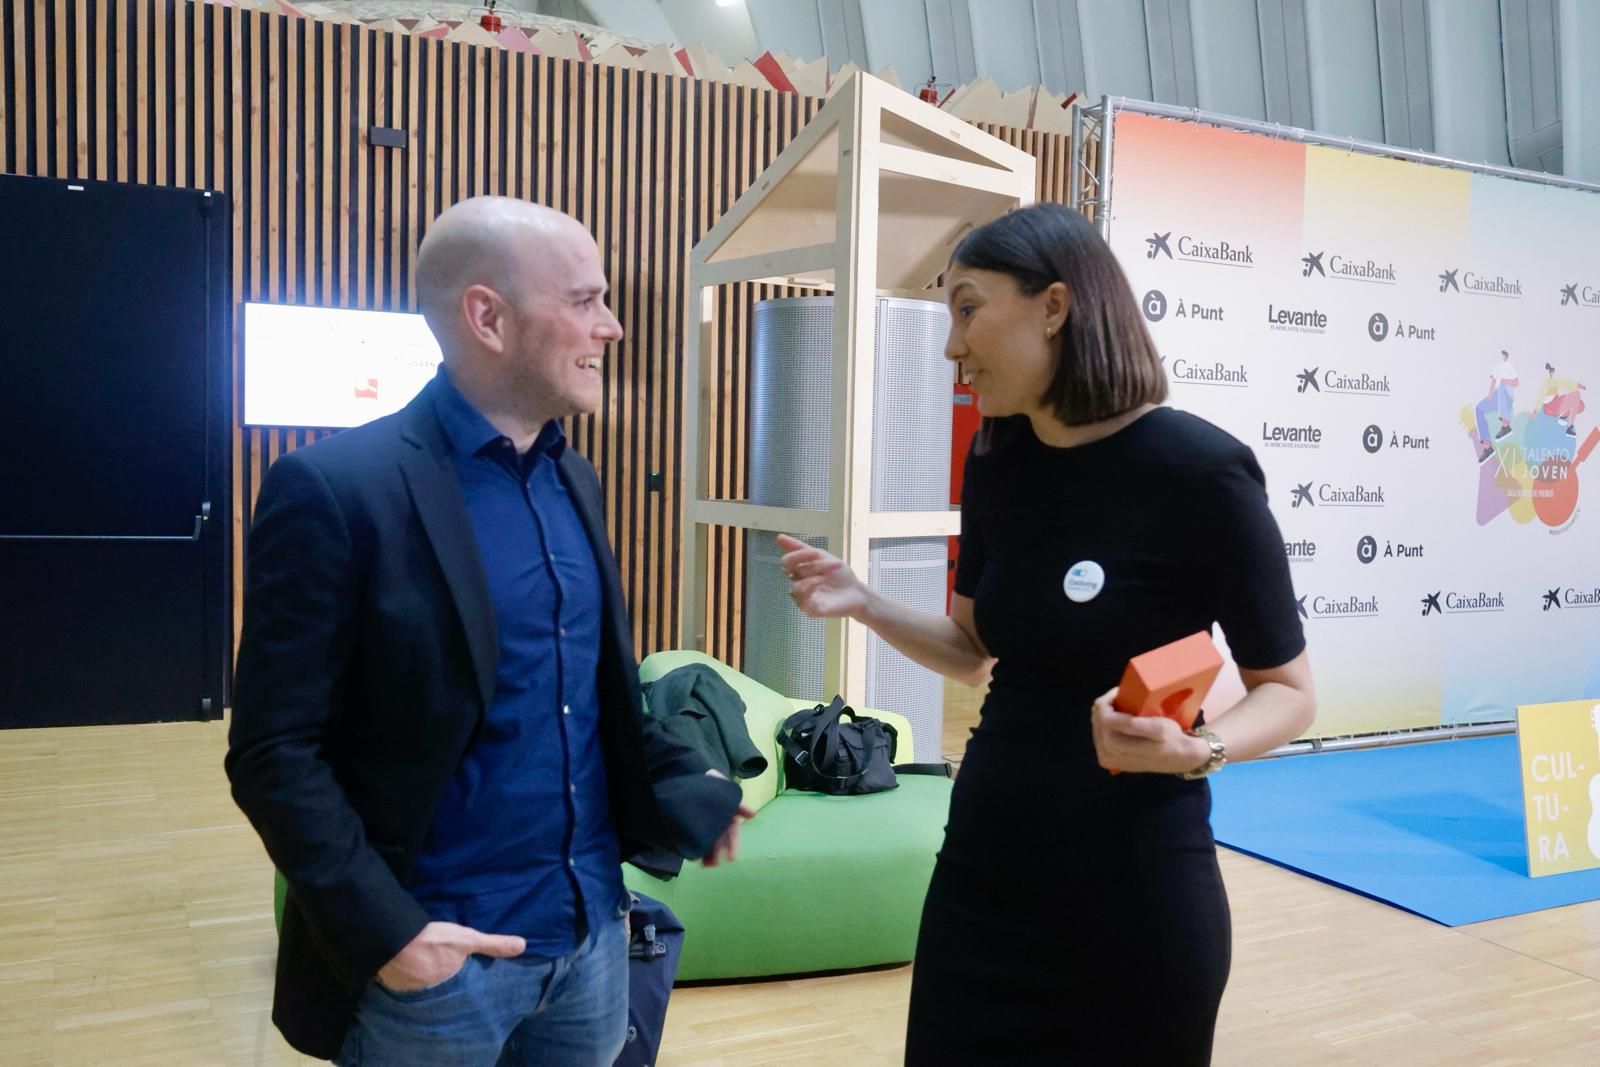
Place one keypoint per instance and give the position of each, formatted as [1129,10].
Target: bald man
[437,728]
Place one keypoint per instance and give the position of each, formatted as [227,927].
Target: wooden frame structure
[869,199]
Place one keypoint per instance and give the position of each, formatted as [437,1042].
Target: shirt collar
[469,433]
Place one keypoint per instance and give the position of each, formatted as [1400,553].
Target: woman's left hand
[1152,744]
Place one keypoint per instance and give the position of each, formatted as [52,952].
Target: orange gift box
[1172,680]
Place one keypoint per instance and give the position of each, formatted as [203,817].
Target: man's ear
[483,314]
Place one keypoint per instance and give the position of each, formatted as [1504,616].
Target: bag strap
[827,729]
[819,719]
[894,739]
[802,755]
[938,770]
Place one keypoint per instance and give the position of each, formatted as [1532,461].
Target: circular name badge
[1084,581]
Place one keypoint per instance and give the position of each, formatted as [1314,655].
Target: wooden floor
[136,928]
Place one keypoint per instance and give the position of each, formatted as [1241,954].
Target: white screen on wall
[333,367]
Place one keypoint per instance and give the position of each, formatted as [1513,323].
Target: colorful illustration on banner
[1528,460]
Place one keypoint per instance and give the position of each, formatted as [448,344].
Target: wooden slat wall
[274,111]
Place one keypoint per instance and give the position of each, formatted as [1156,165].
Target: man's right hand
[439,951]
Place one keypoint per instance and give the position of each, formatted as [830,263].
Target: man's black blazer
[366,663]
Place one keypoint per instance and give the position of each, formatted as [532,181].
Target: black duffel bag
[822,753]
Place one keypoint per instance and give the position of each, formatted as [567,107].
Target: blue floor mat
[1433,828]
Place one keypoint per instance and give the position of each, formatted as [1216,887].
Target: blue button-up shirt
[522,841]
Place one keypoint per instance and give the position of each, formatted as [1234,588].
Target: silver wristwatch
[1219,755]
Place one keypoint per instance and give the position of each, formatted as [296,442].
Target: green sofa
[822,883]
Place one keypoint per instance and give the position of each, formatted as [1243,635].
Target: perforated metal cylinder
[790,430]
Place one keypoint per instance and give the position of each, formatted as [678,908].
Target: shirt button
[572,789]
[563,631]
[566,709]
[572,863]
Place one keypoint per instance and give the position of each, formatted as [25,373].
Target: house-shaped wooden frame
[868,200]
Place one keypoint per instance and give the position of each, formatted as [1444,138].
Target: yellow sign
[1560,750]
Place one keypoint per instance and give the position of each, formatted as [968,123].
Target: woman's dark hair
[1106,364]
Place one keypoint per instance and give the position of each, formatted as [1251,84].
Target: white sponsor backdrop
[1345,315]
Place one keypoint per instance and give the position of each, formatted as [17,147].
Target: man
[1502,385]
[437,728]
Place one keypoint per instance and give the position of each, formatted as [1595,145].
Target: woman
[1563,399]
[1077,916]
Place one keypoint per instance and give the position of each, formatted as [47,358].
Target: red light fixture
[490,21]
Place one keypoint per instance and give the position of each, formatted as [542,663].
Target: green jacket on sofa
[822,883]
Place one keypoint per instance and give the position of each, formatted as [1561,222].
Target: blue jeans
[525,1012]
[1500,404]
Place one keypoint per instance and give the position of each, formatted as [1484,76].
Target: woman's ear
[1057,302]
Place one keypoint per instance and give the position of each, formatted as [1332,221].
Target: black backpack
[824,754]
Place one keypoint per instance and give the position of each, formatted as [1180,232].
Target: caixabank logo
[1570,597]
[1335,382]
[1578,295]
[1452,602]
[1333,495]
[1210,373]
[1156,308]
[1346,268]
[1211,251]
[1320,606]
[1470,282]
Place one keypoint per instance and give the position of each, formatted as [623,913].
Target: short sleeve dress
[1076,916]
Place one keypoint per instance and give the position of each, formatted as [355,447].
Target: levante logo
[1472,283]
[1347,269]
[1199,250]
[1300,551]
[1274,436]
[1297,320]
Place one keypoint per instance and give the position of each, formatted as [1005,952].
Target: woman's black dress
[1075,916]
